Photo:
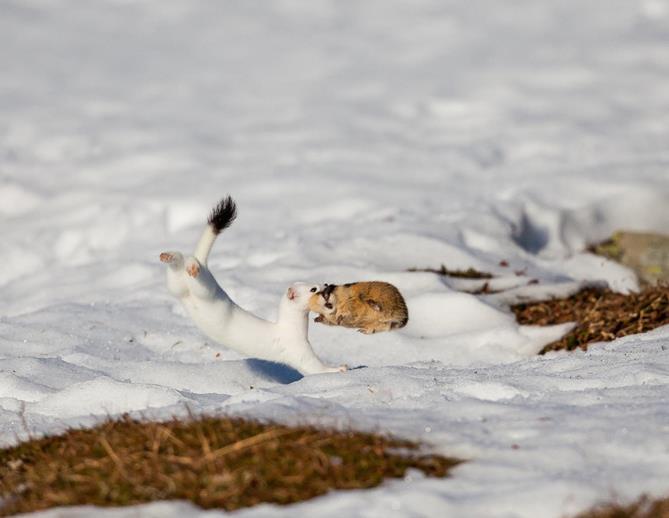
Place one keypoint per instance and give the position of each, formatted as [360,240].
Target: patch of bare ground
[601,315]
[643,508]
[215,462]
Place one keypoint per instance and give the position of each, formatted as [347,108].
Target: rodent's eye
[314,289]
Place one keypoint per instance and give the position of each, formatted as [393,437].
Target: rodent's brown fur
[371,307]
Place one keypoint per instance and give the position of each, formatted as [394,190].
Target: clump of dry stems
[215,462]
[601,315]
[643,508]
[469,273]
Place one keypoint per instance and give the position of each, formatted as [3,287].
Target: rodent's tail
[221,217]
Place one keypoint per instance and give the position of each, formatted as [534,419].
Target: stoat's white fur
[217,316]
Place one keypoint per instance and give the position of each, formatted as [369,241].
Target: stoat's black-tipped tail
[223,215]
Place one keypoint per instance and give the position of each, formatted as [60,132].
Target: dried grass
[215,462]
[601,315]
[643,508]
[469,273]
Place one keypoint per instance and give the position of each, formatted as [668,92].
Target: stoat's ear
[291,293]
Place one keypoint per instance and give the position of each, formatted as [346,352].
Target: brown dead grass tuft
[215,462]
[643,508]
[601,315]
[469,273]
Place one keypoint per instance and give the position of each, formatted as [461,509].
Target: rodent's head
[299,294]
[324,300]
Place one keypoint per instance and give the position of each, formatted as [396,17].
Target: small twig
[24,421]
[112,454]
[254,440]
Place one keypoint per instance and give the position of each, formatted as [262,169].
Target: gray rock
[645,253]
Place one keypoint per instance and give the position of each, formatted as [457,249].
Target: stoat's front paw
[193,268]
[341,368]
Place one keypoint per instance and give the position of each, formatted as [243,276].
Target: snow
[359,139]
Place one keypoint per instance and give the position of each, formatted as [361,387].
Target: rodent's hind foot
[192,267]
[367,331]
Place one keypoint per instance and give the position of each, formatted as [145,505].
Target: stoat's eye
[314,289]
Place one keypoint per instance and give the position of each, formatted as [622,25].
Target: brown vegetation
[215,462]
[469,273]
[601,315]
[643,508]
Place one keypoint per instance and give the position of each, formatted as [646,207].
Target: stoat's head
[323,300]
[298,295]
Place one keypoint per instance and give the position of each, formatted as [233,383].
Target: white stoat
[222,320]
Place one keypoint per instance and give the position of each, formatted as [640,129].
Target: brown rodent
[371,307]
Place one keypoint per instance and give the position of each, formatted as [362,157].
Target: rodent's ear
[373,304]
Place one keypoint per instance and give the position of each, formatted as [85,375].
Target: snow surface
[360,139]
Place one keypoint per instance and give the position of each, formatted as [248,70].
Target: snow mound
[105,396]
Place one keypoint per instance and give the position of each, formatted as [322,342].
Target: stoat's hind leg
[201,282]
[172,259]
[193,267]
[176,282]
